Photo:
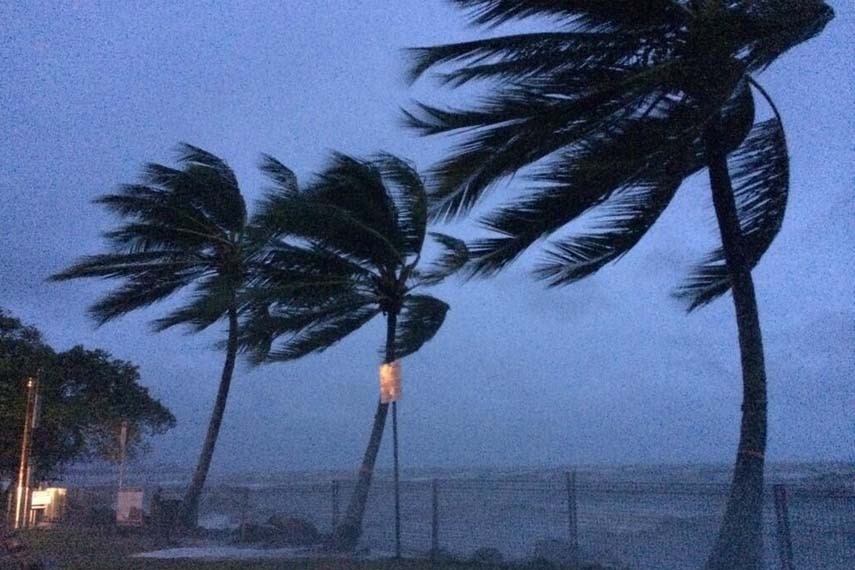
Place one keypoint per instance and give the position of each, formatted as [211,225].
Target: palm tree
[345,249]
[610,112]
[180,229]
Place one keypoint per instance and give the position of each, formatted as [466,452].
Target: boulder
[295,531]
[488,555]
[252,533]
[556,552]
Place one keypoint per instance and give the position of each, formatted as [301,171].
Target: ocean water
[636,517]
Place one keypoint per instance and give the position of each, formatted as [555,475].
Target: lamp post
[31,418]
[390,392]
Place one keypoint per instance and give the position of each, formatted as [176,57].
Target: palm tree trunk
[348,532]
[190,506]
[740,541]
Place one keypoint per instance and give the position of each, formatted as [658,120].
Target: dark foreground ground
[87,549]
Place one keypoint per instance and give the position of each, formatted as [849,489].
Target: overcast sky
[611,370]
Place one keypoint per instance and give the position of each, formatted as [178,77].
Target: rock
[488,555]
[254,533]
[295,531]
[555,552]
[440,555]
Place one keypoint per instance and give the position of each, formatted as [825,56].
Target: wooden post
[572,518]
[782,516]
[334,504]
[434,526]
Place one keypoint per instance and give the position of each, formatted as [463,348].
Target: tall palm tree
[180,229]
[612,110]
[343,250]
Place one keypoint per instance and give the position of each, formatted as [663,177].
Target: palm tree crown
[341,251]
[181,228]
[610,110]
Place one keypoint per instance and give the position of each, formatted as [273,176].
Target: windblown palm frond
[587,14]
[407,190]
[421,318]
[320,335]
[761,175]
[454,257]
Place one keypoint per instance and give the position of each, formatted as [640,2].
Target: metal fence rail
[659,526]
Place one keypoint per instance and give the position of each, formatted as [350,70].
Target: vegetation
[341,251]
[181,229]
[613,109]
[85,397]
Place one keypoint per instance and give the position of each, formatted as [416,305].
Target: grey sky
[609,370]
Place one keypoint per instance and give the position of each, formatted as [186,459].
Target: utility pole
[123,446]
[31,419]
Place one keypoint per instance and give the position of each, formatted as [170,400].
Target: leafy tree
[183,228]
[341,251]
[85,396]
[611,110]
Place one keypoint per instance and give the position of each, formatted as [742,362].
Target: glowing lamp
[390,382]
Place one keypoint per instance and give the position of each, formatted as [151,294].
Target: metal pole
[572,517]
[24,468]
[397,481]
[782,515]
[123,444]
[434,527]
[334,504]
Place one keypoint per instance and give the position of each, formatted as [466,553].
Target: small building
[129,507]
[47,506]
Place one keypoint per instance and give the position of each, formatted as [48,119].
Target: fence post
[243,513]
[434,526]
[334,504]
[572,518]
[782,516]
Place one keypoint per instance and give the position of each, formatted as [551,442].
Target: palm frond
[761,179]
[523,126]
[213,297]
[521,56]
[581,177]
[622,221]
[117,265]
[586,14]
[775,26]
[420,319]
[284,178]
[407,190]
[321,335]
[453,258]
[140,291]
[210,184]
[267,320]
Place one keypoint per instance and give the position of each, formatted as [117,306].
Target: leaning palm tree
[609,113]
[341,251]
[180,229]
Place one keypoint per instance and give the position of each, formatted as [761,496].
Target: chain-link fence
[659,526]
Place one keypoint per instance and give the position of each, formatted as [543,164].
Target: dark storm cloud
[609,370]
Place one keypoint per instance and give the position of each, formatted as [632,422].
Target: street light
[390,392]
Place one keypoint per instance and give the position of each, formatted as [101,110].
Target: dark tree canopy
[85,396]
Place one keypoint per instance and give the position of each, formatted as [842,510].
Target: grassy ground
[87,549]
